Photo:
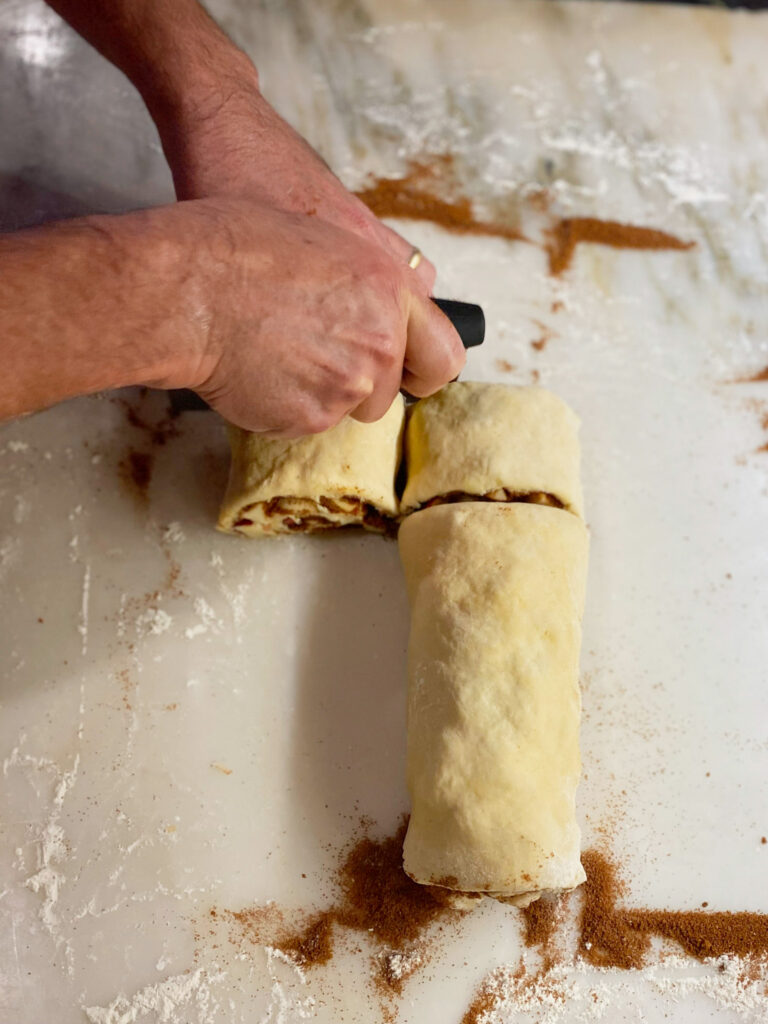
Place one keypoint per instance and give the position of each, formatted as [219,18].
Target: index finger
[434,354]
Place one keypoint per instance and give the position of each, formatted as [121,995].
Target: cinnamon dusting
[754,378]
[428,191]
[313,945]
[491,992]
[572,231]
[417,196]
[540,920]
[158,430]
[482,1005]
[376,898]
[546,335]
[135,471]
[610,936]
[605,940]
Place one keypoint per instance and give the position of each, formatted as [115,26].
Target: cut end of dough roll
[342,477]
[482,439]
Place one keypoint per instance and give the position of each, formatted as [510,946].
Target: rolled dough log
[493,441]
[342,477]
[496,594]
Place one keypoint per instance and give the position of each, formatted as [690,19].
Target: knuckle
[317,421]
[355,391]
[388,349]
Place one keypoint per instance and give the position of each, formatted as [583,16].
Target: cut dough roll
[342,477]
[473,440]
[496,593]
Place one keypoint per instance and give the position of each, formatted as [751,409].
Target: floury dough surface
[342,477]
[497,594]
[475,438]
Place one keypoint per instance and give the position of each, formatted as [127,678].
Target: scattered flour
[153,621]
[21,509]
[402,965]
[173,533]
[51,852]
[284,1007]
[735,984]
[209,620]
[52,849]
[577,993]
[172,1001]
[121,618]
[237,597]
[10,550]
[83,624]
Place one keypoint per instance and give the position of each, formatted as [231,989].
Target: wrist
[156,279]
[198,116]
[196,87]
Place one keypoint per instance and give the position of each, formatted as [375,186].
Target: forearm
[96,303]
[181,62]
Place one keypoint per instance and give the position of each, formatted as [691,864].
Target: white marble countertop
[143,653]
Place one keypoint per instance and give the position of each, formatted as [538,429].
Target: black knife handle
[467,318]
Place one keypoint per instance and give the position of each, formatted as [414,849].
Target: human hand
[225,139]
[304,322]
[275,293]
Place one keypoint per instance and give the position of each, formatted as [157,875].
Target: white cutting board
[283,662]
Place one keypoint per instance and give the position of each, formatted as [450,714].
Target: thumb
[434,354]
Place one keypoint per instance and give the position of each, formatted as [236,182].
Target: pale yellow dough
[337,478]
[475,439]
[496,594]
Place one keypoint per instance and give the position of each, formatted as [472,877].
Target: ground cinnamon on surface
[427,191]
[505,366]
[380,899]
[417,196]
[546,335]
[706,934]
[147,411]
[159,432]
[376,898]
[394,969]
[497,986]
[572,231]
[313,945]
[483,1004]
[755,378]
[136,472]
[540,920]
[615,937]
[605,939]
